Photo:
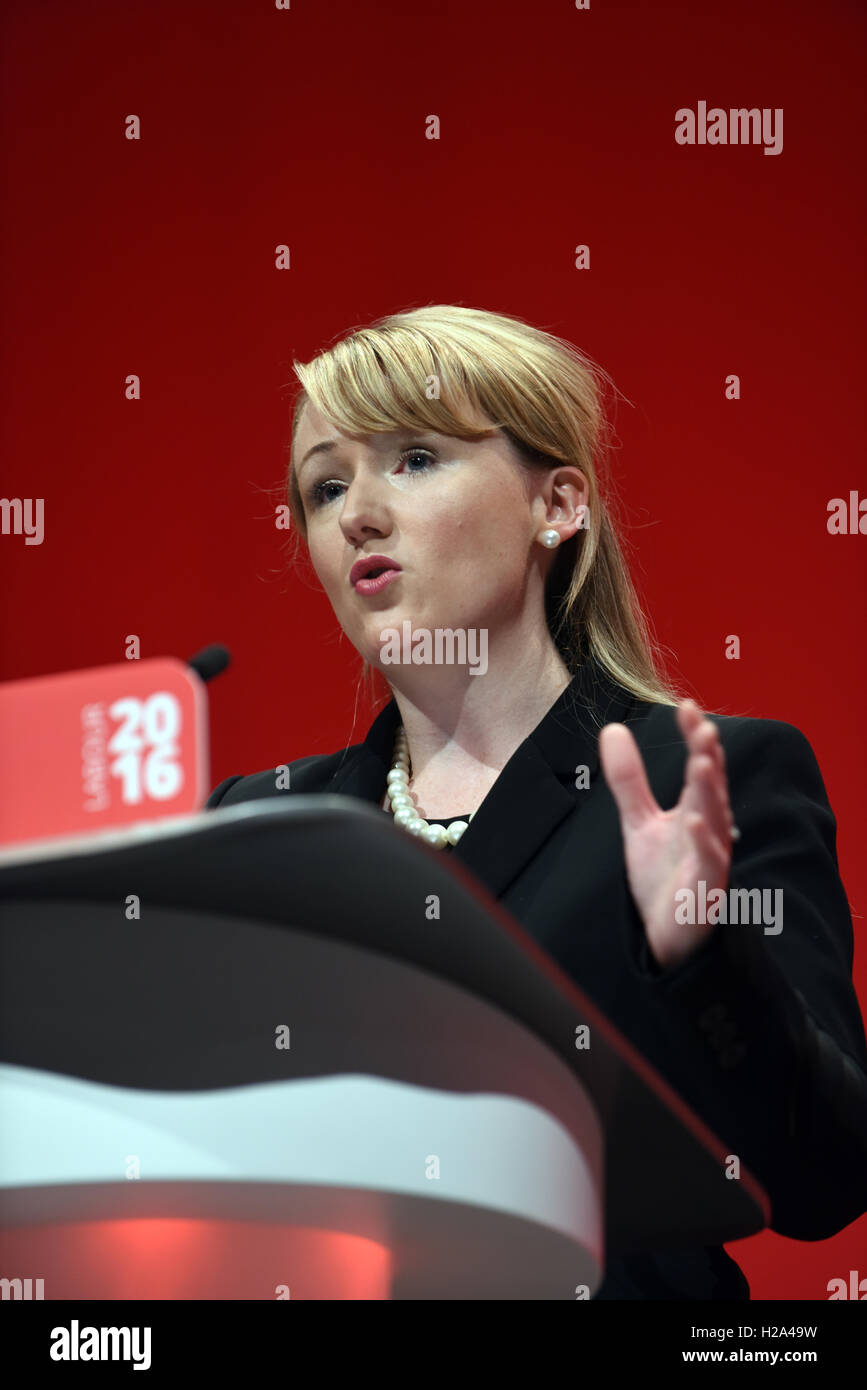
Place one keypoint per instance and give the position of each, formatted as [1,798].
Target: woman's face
[457,518]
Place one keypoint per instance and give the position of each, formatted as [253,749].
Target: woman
[445,473]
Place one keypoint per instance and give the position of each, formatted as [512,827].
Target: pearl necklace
[402,802]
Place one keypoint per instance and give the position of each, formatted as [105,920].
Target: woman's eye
[321,495]
[423,453]
[318,492]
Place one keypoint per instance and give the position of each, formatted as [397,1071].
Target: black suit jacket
[760,1033]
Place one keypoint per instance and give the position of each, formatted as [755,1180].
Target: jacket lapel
[535,790]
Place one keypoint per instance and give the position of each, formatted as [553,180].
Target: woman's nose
[364,511]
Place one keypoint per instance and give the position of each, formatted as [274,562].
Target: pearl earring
[550,538]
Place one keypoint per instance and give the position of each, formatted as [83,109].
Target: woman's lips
[373,586]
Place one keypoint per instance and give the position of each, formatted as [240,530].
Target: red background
[307,126]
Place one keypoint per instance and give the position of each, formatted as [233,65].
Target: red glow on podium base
[149,1258]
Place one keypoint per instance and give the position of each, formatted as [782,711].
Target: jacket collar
[534,791]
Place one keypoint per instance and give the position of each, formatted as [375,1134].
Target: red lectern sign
[89,750]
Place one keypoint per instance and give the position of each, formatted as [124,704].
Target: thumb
[624,772]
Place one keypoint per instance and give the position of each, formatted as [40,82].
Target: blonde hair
[462,372]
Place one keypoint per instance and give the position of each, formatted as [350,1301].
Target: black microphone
[210,661]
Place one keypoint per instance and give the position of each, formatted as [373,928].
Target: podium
[284,1050]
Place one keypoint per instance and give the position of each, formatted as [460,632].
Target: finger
[706,739]
[702,737]
[707,844]
[624,772]
[700,733]
[709,741]
[705,793]
[689,716]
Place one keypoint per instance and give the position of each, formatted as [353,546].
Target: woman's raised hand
[668,851]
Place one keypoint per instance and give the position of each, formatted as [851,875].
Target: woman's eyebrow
[321,448]
[327,445]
